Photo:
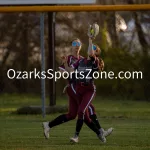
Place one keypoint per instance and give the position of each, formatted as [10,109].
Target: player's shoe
[108,132]
[74,139]
[46,129]
[101,135]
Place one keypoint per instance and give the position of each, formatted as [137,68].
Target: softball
[92,31]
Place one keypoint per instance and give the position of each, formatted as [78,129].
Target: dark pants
[91,110]
[85,96]
[75,108]
[78,104]
[73,103]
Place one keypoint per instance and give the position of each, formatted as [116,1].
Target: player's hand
[64,59]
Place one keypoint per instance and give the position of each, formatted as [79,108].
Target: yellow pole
[135,7]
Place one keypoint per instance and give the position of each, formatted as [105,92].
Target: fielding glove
[93,31]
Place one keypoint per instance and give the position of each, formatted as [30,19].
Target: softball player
[86,89]
[73,103]
[70,89]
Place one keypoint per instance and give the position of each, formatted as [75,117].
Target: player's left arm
[93,31]
[90,48]
[68,69]
[65,61]
[62,68]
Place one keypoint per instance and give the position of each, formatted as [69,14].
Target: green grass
[130,119]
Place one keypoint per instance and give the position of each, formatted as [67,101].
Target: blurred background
[124,40]
[122,104]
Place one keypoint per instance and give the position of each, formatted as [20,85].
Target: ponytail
[101,64]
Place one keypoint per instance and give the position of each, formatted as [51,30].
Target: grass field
[130,119]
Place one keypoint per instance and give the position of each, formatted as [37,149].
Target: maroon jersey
[86,68]
[70,61]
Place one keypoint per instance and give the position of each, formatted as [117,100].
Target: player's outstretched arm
[68,69]
[90,48]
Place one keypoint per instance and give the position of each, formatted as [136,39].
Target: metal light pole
[51,57]
[42,62]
